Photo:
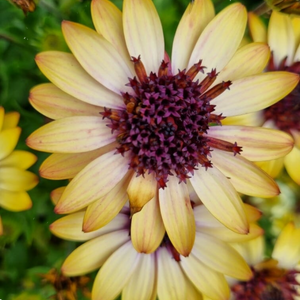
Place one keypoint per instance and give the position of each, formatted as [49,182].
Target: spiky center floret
[268,284]
[286,113]
[165,120]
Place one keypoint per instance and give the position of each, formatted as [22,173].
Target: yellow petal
[71,135]
[108,68]
[272,167]
[220,39]
[254,93]
[252,119]
[102,211]
[196,16]
[296,27]
[2,112]
[66,73]
[147,228]
[55,104]
[10,120]
[257,28]
[244,175]
[177,214]
[258,144]
[8,141]
[56,194]
[220,198]
[143,33]
[1,227]
[14,201]
[292,164]
[19,159]
[93,182]
[93,254]
[141,189]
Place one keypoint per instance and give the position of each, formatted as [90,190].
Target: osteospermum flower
[149,267]
[276,278]
[131,122]
[14,179]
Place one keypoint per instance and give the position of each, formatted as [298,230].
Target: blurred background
[30,257]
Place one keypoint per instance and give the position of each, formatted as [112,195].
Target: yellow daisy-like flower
[283,37]
[141,126]
[275,278]
[14,179]
[156,269]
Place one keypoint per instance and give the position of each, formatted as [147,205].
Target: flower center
[286,113]
[165,119]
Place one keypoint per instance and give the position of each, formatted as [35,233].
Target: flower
[14,179]
[146,274]
[146,125]
[274,278]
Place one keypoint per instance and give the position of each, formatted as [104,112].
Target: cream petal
[60,166]
[254,93]
[292,164]
[258,144]
[141,189]
[17,180]
[55,104]
[19,159]
[296,136]
[143,33]
[177,215]
[10,120]
[220,198]
[108,68]
[208,281]
[281,29]
[107,19]
[195,18]
[103,210]
[244,175]
[70,227]
[71,135]
[220,39]
[93,182]
[247,61]
[170,279]
[66,73]
[93,254]
[55,195]
[14,201]
[258,30]
[120,266]
[142,282]
[147,228]
[8,141]
[220,257]
[252,119]
[272,167]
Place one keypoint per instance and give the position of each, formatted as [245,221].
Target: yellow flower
[14,179]
[144,269]
[116,117]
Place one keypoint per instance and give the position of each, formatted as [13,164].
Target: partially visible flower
[285,6]
[14,179]
[153,267]
[144,125]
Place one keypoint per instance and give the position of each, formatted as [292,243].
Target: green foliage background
[27,248]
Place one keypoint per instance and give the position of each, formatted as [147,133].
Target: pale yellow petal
[258,30]
[258,144]
[296,27]
[143,33]
[254,93]
[178,216]
[220,198]
[56,194]
[10,120]
[252,119]
[93,182]
[70,227]
[55,104]
[71,135]
[19,159]
[103,210]
[272,167]
[141,189]
[147,228]
[244,175]
[66,73]
[192,293]
[93,254]
[292,164]
[115,273]
[296,136]
[15,201]
[196,16]
[220,39]
[8,141]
